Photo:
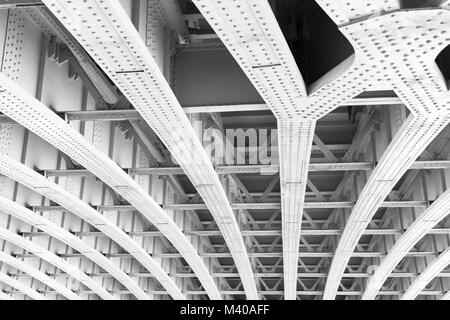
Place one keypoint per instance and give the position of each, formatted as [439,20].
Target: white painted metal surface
[106,32]
[27,177]
[170,14]
[46,24]
[395,49]
[418,83]
[252,35]
[37,221]
[38,275]
[72,270]
[4,296]
[421,226]
[33,294]
[432,271]
[29,112]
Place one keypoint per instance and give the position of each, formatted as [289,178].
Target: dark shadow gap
[315,41]
[443,62]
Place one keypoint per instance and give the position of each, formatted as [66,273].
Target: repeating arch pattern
[53,259]
[20,106]
[433,269]
[41,223]
[33,294]
[29,178]
[421,226]
[105,30]
[38,275]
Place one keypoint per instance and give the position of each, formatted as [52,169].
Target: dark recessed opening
[412,4]
[315,41]
[443,62]
[188,7]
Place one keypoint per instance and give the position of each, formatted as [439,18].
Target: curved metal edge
[38,275]
[33,294]
[53,259]
[66,237]
[106,169]
[421,226]
[34,181]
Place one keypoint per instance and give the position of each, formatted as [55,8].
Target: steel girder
[135,72]
[252,35]
[27,177]
[38,275]
[71,270]
[421,226]
[41,223]
[57,132]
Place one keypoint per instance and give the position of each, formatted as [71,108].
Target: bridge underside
[203,149]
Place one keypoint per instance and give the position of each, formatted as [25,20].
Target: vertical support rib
[251,33]
[72,270]
[106,32]
[421,226]
[47,24]
[38,275]
[34,181]
[295,148]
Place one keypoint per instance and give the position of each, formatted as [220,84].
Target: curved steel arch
[135,72]
[413,137]
[27,111]
[374,36]
[36,182]
[38,275]
[270,66]
[421,226]
[430,272]
[252,35]
[325,95]
[33,294]
[53,259]
[37,221]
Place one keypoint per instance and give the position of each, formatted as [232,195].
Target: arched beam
[374,36]
[36,182]
[29,112]
[38,275]
[39,222]
[430,272]
[53,259]
[421,226]
[251,20]
[33,294]
[43,20]
[270,66]
[135,72]
[412,138]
